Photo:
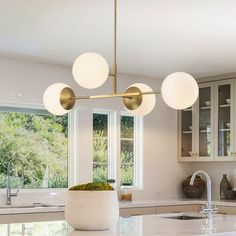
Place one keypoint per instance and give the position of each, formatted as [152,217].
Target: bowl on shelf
[227,100]
[208,103]
[193,191]
[228,125]
[190,127]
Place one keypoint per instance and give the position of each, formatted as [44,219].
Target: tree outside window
[40,140]
[100,147]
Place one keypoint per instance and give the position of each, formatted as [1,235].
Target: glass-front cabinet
[196,140]
[186,135]
[224,116]
[207,130]
[205,121]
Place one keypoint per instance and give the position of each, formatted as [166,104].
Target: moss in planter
[92,187]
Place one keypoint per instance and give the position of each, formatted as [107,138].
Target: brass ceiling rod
[114,67]
[115,45]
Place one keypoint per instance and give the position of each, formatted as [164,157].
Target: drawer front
[178,209]
[226,210]
[127,212]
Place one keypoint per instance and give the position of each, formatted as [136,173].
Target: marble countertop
[152,225]
[156,203]
[27,208]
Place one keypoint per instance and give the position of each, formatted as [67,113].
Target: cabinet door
[205,122]
[135,211]
[224,91]
[226,210]
[186,134]
[178,209]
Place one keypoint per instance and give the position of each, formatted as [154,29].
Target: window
[100,147]
[40,141]
[128,150]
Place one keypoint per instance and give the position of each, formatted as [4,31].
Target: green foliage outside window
[100,148]
[40,141]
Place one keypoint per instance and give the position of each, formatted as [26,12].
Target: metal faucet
[9,172]
[209,209]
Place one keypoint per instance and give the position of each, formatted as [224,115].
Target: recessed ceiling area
[155,37]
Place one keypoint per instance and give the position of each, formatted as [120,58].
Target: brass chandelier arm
[122,95]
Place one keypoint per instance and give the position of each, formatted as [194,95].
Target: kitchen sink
[183,216]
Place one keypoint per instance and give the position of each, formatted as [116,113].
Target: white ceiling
[155,37]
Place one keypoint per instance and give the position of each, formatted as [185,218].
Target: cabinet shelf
[224,105]
[187,109]
[205,131]
[187,132]
[224,130]
[205,108]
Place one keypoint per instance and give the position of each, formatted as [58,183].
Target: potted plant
[92,206]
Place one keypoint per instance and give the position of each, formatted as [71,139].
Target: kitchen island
[150,225]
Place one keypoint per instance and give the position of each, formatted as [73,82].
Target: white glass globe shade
[179,90]
[51,99]
[148,101]
[90,70]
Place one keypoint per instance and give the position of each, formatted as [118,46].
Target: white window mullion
[138,151]
[117,151]
[111,146]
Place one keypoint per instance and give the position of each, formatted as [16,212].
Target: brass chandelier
[90,70]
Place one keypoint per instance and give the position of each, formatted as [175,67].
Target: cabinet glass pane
[186,133]
[205,145]
[224,120]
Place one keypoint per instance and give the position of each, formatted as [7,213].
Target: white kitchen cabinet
[224,120]
[178,209]
[134,211]
[208,132]
[226,210]
[31,217]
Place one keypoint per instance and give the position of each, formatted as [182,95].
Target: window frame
[138,150]
[111,132]
[114,141]
[32,108]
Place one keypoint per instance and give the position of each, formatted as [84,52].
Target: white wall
[162,173]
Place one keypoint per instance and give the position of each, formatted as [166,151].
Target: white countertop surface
[150,203]
[26,208]
[153,225]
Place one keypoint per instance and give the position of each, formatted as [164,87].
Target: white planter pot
[92,210]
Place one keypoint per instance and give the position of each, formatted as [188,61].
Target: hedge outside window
[100,147]
[40,140]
